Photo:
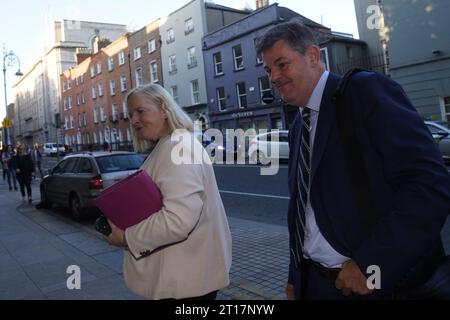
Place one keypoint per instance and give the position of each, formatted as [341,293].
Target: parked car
[52,149]
[262,147]
[441,134]
[79,178]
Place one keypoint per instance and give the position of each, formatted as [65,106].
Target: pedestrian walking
[36,157]
[8,170]
[24,169]
[182,251]
[332,243]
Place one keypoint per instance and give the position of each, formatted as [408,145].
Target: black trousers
[24,181]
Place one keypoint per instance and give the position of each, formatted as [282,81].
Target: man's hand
[116,238]
[290,293]
[352,280]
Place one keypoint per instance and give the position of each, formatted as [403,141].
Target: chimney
[261,4]
[100,43]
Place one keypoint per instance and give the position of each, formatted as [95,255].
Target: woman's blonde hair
[157,95]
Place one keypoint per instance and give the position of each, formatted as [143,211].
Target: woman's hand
[117,236]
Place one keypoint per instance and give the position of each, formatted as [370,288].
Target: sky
[23,22]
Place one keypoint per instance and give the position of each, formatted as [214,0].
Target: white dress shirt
[316,247]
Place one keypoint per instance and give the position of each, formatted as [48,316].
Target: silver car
[79,178]
[265,146]
[441,134]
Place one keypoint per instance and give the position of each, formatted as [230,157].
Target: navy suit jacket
[409,180]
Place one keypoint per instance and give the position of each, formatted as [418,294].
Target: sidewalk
[37,246]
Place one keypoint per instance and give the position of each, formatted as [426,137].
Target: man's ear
[313,55]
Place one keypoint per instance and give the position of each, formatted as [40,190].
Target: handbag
[438,285]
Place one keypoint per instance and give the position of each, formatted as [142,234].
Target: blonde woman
[192,227]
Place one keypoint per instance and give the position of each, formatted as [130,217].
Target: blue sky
[23,22]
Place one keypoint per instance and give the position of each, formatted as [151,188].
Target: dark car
[441,134]
[79,178]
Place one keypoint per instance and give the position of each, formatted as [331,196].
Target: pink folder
[130,200]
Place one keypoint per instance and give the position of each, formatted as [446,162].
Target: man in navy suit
[330,250]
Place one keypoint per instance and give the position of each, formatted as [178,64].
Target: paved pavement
[37,247]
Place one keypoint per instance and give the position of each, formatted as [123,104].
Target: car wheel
[45,202]
[75,207]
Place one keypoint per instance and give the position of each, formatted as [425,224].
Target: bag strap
[361,188]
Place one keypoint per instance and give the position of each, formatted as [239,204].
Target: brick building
[93,107]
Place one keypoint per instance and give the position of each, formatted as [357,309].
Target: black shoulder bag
[438,286]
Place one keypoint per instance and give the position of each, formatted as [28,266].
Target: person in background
[24,170]
[182,251]
[37,159]
[6,156]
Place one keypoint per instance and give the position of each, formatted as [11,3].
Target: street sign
[268,98]
[6,123]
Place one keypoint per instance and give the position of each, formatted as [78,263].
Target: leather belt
[329,273]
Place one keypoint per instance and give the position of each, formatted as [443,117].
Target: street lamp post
[9,60]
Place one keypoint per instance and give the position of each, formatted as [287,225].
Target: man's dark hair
[298,36]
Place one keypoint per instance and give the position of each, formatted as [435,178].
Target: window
[94,94]
[324,58]
[94,135]
[64,85]
[445,106]
[174,93]
[69,84]
[264,86]
[123,83]
[65,103]
[242,95]
[188,26]
[92,70]
[195,92]
[125,109]
[221,101]
[95,115]
[349,52]
[153,71]
[76,81]
[172,64]
[218,67]
[70,102]
[82,78]
[170,36]
[79,120]
[83,99]
[110,63]
[84,119]
[192,60]
[99,68]
[71,122]
[100,89]
[112,87]
[151,45]
[138,74]
[78,100]
[102,114]
[85,165]
[238,59]
[66,123]
[137,53]
[258,57]
[121,58]
[115,115]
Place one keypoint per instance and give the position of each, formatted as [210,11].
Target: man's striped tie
[303,171]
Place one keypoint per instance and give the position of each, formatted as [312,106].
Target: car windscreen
[120,162]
